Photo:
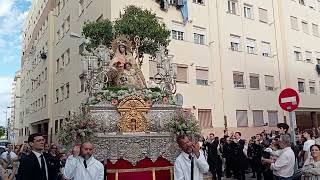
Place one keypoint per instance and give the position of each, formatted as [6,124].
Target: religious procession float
[132,123]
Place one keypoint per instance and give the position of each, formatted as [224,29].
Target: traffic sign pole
[293,125]
[289,101]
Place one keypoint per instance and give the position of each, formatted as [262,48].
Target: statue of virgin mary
[126,70]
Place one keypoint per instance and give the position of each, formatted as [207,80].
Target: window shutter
[254,81]
[269,81]
[205,118]
[251,42]
[182,73]
[305,27]
[294,23]
[202,73]
[308,55]
[273,118]
[265,48]
[235,38]
[242,118]
[258,118]
[263,14]
[315,29]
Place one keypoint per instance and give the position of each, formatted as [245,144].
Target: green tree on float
[134,22]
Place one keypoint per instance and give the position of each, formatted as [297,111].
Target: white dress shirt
[74,169]
[306,147]
[284,165]
[39,160]
[182,167]
[5,154]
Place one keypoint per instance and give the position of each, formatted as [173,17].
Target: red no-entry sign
[289,99]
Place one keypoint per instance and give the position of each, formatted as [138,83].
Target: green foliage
[142,23]
[100,32]
[2,131]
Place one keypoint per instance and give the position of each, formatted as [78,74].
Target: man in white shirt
[9,156]
[190,157]
[85,166]
[283,167]
[308,134]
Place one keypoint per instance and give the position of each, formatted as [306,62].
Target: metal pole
[7,123]
[292,116]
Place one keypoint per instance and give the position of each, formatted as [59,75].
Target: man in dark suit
[214,158]
[238,157]
[36,165]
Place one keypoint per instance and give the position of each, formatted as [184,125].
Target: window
[309,57]
[235,42]
[251,46]
[178,35]
[63,29]
[301,85]
[62,60]
[317,57]
[266,49]
[198,38]
[315,30]
[294,23]
[273,118]
[82,83]
[81,7]
[269,81]
[57,65]
[205,118]
[62,92]
[297,54]
[58,36]
[248,13]
[242,118]
[45,100]
[202,75]
[263,15]
[311,4]
[68,56]
[312,87]
[305,27]
[198,1]
[257,118]
[238,80]
[254,81]
[302,2]
[232,6]
[182,73]
[57,95]
[61,124]
[68,24]
[68,90]
[58,7]
[42,102]
[56,126]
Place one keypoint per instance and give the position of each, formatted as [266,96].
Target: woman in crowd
[311,168]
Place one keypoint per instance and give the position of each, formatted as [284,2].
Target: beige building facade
[233,58]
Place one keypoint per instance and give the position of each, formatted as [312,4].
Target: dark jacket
[29,168]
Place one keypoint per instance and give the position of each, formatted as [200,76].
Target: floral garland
[79,128]
[184,122]
[115,95]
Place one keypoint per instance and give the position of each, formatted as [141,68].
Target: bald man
[84,166]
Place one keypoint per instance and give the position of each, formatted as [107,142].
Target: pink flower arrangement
[165,100]
[114,102]
[149,103]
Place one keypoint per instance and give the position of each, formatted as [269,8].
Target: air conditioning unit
[318,68]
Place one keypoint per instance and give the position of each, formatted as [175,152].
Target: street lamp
[7,120]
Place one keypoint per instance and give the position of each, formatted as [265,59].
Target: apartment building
[14,120]
[233,59]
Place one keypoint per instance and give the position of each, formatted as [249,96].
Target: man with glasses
[36,165]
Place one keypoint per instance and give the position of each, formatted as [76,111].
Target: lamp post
[7,120]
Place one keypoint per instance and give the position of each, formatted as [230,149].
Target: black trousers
[215,167]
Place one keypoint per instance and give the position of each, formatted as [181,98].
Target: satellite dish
[179,99]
